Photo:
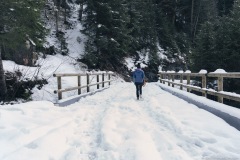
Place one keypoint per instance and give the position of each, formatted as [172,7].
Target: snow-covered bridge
[113,125]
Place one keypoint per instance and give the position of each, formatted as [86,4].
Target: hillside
[114,36]
[56,59]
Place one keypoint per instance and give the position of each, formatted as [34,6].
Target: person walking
[138,79]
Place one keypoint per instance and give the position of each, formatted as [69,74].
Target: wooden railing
[168,77]
[100,81]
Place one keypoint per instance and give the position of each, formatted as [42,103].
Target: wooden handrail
[59,91]
[225,75]
[77,74]
[168,77]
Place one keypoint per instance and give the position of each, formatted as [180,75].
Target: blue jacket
[138,75]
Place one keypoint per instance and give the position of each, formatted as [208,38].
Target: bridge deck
[113,125]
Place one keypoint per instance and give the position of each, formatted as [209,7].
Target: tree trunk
[81,11]
[3,86]
[56,16]
[192,23]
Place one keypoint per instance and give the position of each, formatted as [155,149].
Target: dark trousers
[138,88]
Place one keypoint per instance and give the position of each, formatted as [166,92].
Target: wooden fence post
[220,88]
[169,80]
[188,82]
[98,81]
[164,77]
[79,84]
[109,77]
[103,80]
[173,80]
[88,82]
[59,87]
[204,84]
[160,76]
[181,81]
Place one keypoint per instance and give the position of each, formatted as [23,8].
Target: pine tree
[19,20]
[228,37]
[224,7]
[106,28]
[204,55]
[134,26]
[217,43]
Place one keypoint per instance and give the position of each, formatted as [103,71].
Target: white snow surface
[203,71]
[113,125]
[220,71]
[46,68]
[188,71]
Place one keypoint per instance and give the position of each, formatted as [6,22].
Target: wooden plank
[109,77]
[79,84]
[59,82]
[103,80]
[225,75]
[181,81]
[194,74]
[76,74]
[88,82]
[164,77]
[205,91]
[68,75]
[231,97]
[97,81]
[184,74]
[173,80]
[69,89]
[188,82]
[161,77]
[75,88]
[204,84]
[169,80]
[220,88]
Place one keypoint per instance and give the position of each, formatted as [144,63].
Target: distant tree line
[205,33]
[217,44]
[194,34]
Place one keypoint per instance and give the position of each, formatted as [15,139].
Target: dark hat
[138,65]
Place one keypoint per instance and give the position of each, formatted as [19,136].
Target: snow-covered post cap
[180,71]
[110,72]
[159,69]
[170,71]
[203,71]
[219,71]
[101,72]
[188,71]
[89,72]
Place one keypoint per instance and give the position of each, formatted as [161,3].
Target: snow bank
[229,114]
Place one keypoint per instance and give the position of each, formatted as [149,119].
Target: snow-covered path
[113,125]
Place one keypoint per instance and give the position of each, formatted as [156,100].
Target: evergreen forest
[192,34]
